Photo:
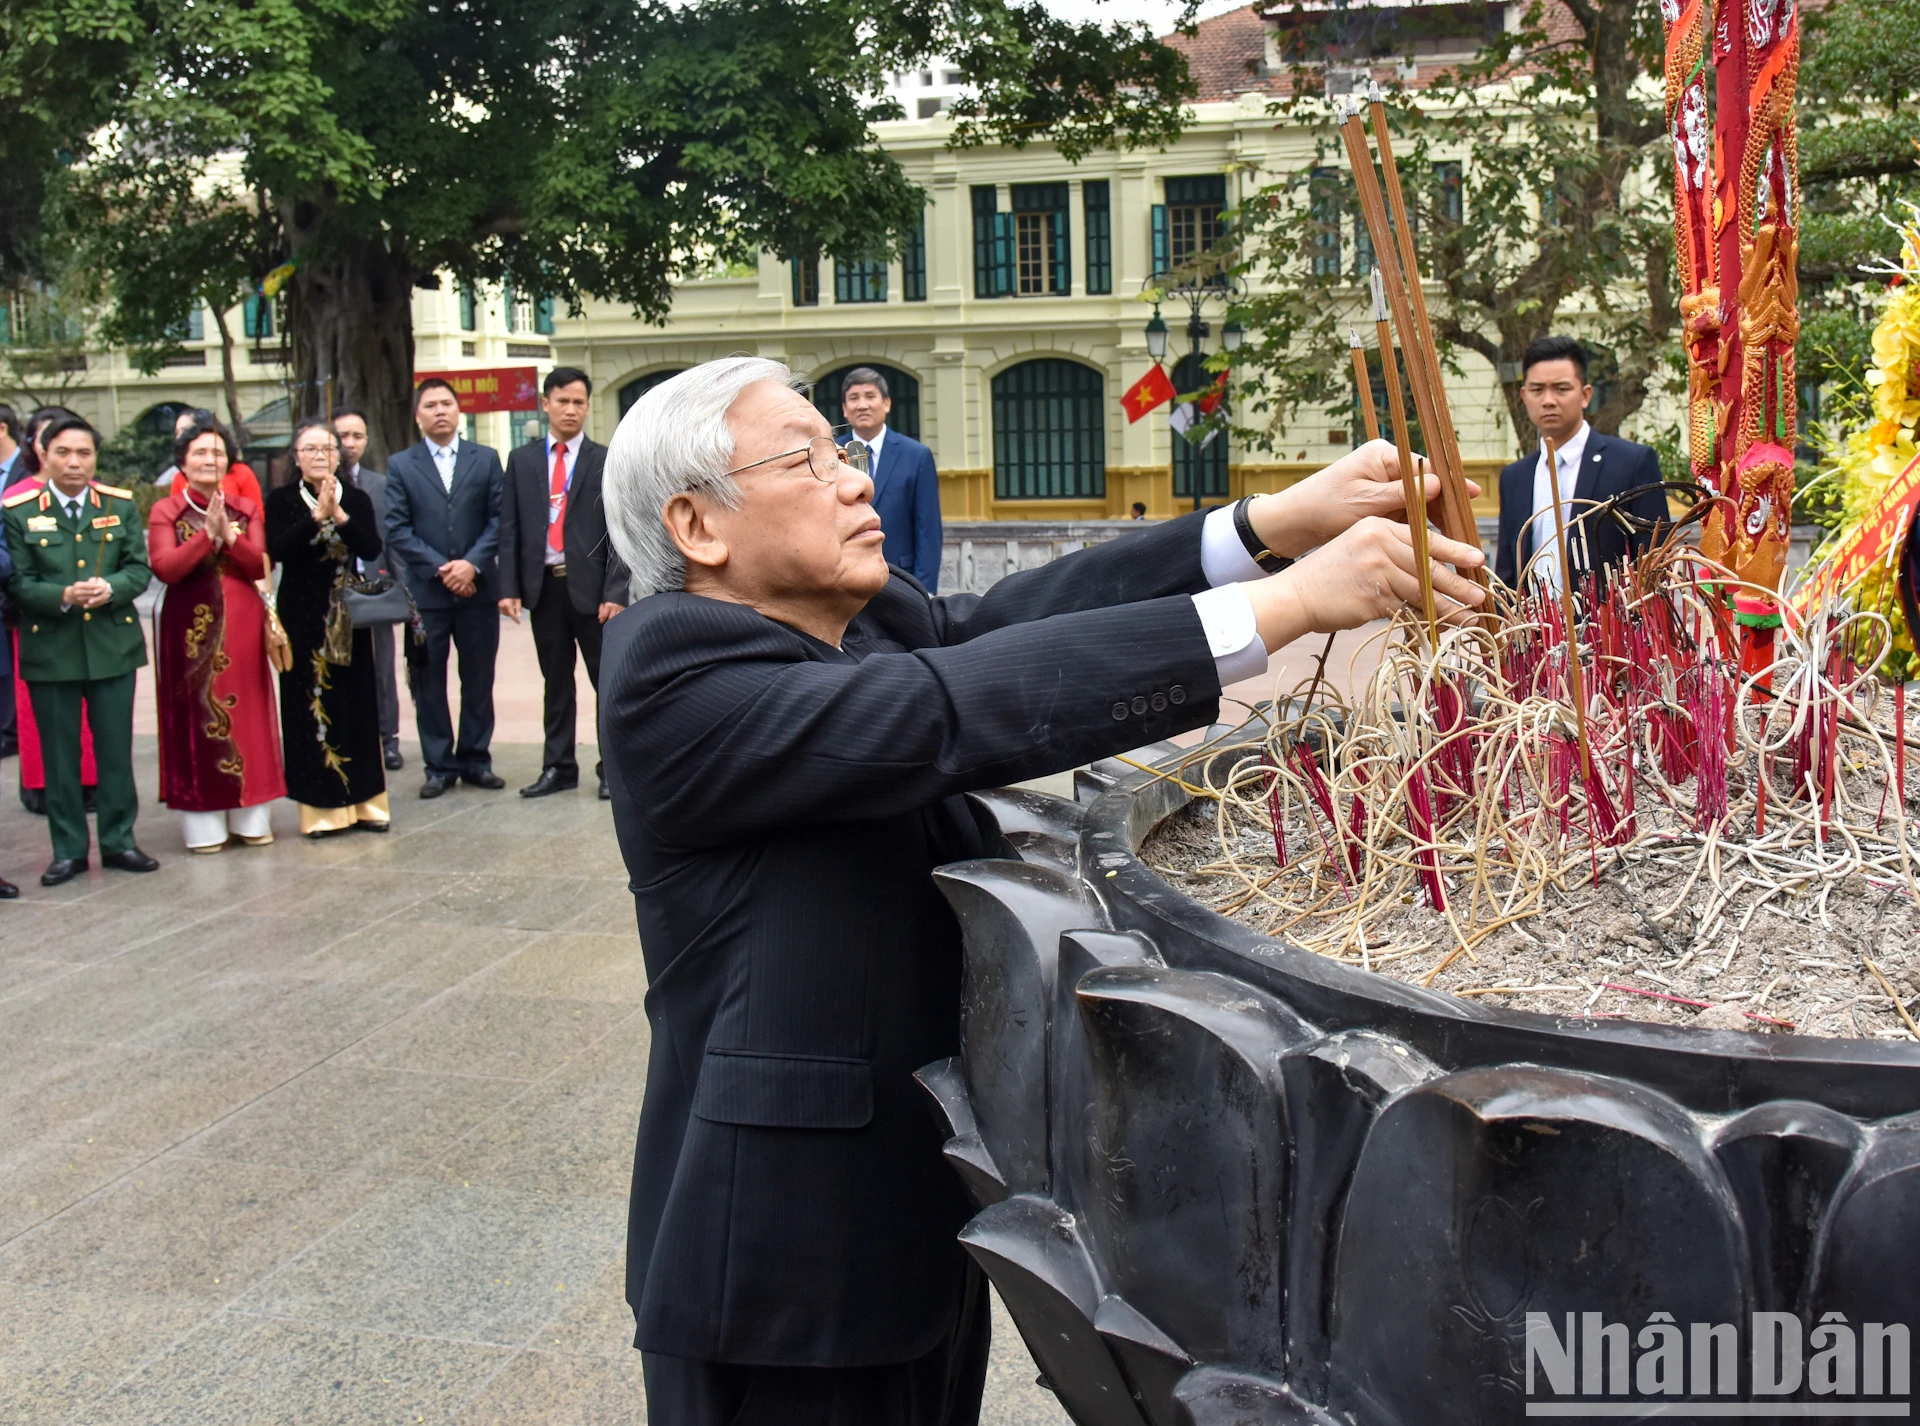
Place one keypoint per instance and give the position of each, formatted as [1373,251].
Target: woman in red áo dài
[219,732]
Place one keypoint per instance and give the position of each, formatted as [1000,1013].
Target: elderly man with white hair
[788,724]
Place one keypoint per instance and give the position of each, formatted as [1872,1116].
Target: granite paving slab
[333,1131]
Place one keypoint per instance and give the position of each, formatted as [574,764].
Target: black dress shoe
[132,859]
[490,780]
[435,785]
[394,759]
[605,796]
[62,870]
[34,799]
[8,890]
[550,780]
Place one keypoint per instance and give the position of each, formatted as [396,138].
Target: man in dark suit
[906,487]
[350,429]
[443,526]
[1593,468]
[555,563]
[788,724]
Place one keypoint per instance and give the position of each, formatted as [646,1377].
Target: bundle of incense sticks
[1397,279]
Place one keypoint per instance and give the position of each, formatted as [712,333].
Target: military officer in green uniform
[79,559]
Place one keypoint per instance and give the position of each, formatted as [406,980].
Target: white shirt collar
[571,446]
[874,445]
[451,449]
[1571,452]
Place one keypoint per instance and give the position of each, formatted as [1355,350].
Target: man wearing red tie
[556,563]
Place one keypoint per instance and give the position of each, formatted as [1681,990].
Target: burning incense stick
[1364,384]
[1412,483]
[1575,682]
[1443,441]
[1456,513]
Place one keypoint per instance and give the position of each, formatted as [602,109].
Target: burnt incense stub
[1225,1180]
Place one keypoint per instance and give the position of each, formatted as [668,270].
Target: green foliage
[133,457]
[64,66]
[1859,102]
[43,333]
[1561,142]
[577,149]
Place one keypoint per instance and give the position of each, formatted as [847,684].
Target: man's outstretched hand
[1362,483]
[1365,574]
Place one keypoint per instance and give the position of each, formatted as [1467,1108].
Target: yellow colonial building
[1008,328]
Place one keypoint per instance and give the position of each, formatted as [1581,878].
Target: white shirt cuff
[1223,556]
[1233,635]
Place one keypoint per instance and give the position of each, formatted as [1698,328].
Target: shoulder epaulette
[20,497]
[113,490]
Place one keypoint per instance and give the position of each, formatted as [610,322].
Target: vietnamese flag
[1146,393]
[1210,402]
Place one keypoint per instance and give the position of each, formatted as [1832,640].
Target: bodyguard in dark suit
[788,724]
[906,487]
[555,563]
[1593,468]
[443,526]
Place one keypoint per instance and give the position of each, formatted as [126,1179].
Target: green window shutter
[469,309]
[1062,252]
[985,201]
[913,262]
[543,316]
[1003,254]
[1095,199]
[1049,431]
[806,281]
[257,317]
[1162,256]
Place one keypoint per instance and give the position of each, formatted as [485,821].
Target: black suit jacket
[595,575]
[1608,467]
[781,805]
[427,524]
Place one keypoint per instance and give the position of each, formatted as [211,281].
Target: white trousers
[211,829]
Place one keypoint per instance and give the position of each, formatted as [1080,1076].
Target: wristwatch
[1268,561]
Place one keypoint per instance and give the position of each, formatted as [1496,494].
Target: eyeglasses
[827,459]
[312,450]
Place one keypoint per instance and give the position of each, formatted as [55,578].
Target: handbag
[279,646]
[377,599]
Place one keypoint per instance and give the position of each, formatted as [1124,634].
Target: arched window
[903,388]
[641,385]
[1049,432]
[1209,462]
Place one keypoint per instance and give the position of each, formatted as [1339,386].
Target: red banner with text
[491,388]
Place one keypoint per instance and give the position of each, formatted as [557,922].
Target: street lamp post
[1196,295]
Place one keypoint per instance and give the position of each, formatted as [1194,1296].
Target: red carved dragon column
[1743,391]
[1689,77]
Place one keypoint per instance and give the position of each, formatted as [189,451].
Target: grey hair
[674,440]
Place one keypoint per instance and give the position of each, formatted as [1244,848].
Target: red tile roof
[1227,54]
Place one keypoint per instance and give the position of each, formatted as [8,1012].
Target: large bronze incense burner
[1225,1180]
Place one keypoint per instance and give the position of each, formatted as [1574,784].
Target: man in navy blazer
[443,528]
[906,487]
[1593,467]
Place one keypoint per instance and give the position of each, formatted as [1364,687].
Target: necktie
[557,501]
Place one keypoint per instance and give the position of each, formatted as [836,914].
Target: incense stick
[1413,485]
[1445,442]
[1576,683]
[1456,520]
[1364,384]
